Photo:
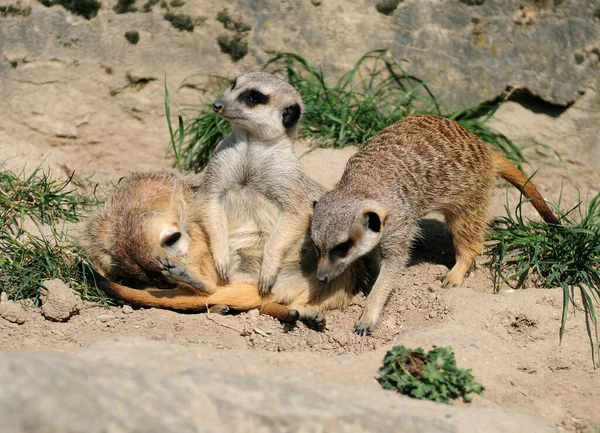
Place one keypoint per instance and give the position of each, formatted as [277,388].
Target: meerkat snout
[217,106]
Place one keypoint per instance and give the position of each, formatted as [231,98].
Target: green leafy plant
[427,376]
[34,210]
[565,256]
[373,94]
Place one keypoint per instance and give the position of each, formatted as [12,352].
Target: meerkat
[144,237]
[255,202]
[254,178]
[415,166]
[150,235]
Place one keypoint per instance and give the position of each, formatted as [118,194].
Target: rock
[130,386]
[3,298]
[66,89]
[13,312]
[59,302]
[254,313]
[106,318]
[126,309]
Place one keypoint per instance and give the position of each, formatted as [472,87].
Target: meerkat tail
[180,298]
[238,296]
[513,175]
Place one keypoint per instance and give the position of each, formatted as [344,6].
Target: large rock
[142,386]
[68,82]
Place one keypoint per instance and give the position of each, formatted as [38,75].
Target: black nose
[322,277]
[217,106]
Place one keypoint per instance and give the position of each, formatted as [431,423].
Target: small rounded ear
[372,222]
[291,115]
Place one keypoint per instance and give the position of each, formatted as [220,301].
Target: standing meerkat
[415,166]
[254,179]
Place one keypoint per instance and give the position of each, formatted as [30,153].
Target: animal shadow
[434,245]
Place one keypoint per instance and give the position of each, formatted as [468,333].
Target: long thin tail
[513,175]
[238,296]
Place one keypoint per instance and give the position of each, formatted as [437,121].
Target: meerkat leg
[286,233]
[218,234]
[180,273]
[468,232]
[390,274]
[394,257]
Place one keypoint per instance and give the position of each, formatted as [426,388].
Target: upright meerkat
[254,179]
[415,166]
[144,237]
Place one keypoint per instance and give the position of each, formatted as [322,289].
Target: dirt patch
[509,339]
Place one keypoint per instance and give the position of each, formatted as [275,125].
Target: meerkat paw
[363,328]
[366,323]
[450,281]
[179,273]
[219,309]
[265,284]
[222,268]
[313,319]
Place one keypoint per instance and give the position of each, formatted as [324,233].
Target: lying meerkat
[415,166]
[143,237]
[254,181]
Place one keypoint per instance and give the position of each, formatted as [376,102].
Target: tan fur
[257,200]
[125,214]
[124,240]
[415,166]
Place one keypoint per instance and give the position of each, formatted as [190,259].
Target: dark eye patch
[253,97]
[171,240]
[341,250]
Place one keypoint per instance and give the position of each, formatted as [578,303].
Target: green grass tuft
[565,256]
[35,246]
[373,94]
[427,376]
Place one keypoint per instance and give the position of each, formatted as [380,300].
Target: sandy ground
[509,339]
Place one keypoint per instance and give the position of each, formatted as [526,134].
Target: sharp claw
[362,330]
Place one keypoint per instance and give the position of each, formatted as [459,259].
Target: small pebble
[13,312]
[3,298]
[254,313]
[126,309]
[106,318]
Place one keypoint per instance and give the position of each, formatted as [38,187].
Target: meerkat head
[262,104]
[144,218]
[343,230]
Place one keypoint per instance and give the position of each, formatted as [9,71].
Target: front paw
[222,268]
[176,272]
[314,320]
[171,269]
[265,284]
[363,328]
